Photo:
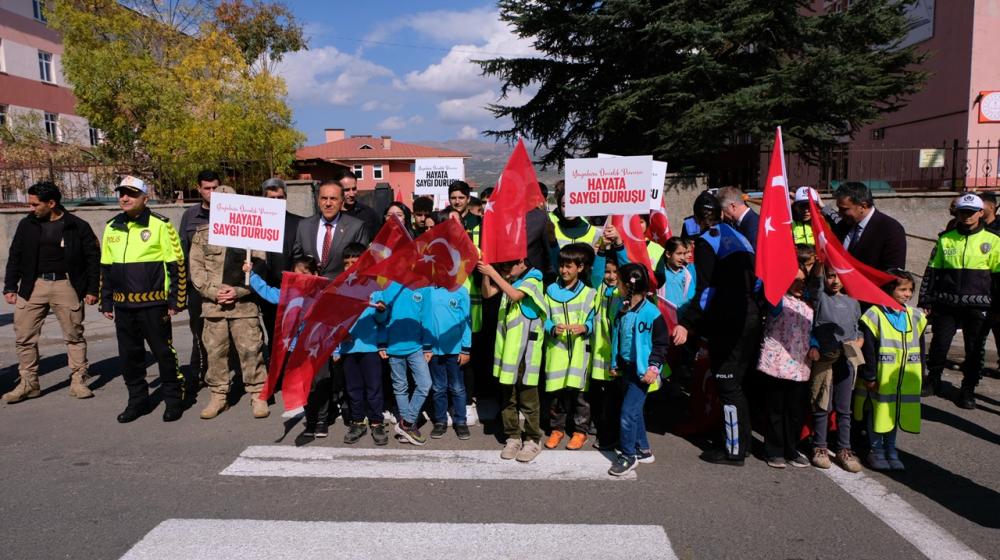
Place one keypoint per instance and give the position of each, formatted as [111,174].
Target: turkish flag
[659,226]
[777,263]
[446,256]
[669,312]
[860,281]
[630,230]
[298,291]
[504,229]
[338,306]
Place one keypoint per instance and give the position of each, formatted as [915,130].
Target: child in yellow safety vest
[605,393]
[887,394]
[569,322]
[518,352]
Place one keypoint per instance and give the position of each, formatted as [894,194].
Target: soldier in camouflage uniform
[230,312]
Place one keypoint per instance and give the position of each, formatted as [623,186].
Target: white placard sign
[247,222]
[607,186]
[656,187]
[433,175]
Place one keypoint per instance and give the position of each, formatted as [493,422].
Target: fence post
[954,164]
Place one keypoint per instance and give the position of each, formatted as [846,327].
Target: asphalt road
[79,485]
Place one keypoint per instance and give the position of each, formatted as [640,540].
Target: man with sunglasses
[143,285]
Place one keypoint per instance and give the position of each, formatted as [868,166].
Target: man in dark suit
[276,263]
[353,207]
[325,234]
[871,236]
[738,214]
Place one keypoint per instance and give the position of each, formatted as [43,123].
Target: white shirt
[860,229]
[321,234]
[746,210]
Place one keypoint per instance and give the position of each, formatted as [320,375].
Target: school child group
[596,343]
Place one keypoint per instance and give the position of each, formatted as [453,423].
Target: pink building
[373,160]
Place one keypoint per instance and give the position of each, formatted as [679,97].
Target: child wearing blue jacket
[639,348]
[359,356]
[402,345]
[447,341]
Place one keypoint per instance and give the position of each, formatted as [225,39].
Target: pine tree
[685,80]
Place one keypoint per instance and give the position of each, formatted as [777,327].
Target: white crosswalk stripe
[330,462]
[211,539]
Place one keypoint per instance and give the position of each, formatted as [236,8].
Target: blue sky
[397,68]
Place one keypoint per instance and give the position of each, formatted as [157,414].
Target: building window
[878,134]
[359,171]
[45,66]
[3,65]
[377,171]
[38,9]
[52,126]
[3,115]
[95,136]
[365,147]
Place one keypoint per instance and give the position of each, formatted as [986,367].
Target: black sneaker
[440,429]
[966,399]
[646,456]
[720,457]
[378,434]
[322,430]
[133,412]
[355,432]
[310,431]
[623,465]
[462,431]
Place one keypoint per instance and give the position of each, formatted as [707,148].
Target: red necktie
[327,239]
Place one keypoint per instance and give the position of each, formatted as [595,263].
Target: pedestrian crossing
[211,539]
[410,463]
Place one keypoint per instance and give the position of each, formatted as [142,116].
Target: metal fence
[94,183]
[951,165]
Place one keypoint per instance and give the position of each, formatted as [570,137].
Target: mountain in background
[487,159]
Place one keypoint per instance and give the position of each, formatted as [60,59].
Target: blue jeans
[882,442]
[447,379]
[633,424]
[409,406]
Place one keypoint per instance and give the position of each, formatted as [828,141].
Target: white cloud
[327,75]
[468,133]
[465,109]
[455,73]
[391,123]
[379,105]
[415,119]
[443,26]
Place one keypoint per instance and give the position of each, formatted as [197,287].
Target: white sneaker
[449,419]
[388,418]
[471,415]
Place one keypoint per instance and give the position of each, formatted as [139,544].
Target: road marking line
[928,537]
[295,540]
[331,462]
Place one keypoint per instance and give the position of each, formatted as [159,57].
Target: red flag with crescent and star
[776,261]
[333,313]
[298,292]
[860,281]
[446,256]
[658,230]
[505,229]
[630,231]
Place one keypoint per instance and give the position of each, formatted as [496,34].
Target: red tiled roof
[350,149]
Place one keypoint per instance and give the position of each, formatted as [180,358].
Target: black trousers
[606,408]
[363,377]
[733,346]
[566,402]
[199,357]
[785,406]
[148,325]
[975,325]
[320,400]
[268,315]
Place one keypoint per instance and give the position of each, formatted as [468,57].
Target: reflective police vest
[606,308]
[656,252]
[520,333]
[896,401]
[590,237]
[567,356]
[142,263]
[802,233]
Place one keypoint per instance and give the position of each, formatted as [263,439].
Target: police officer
[961,288]
[725,310]
[143,285]
[229,311]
